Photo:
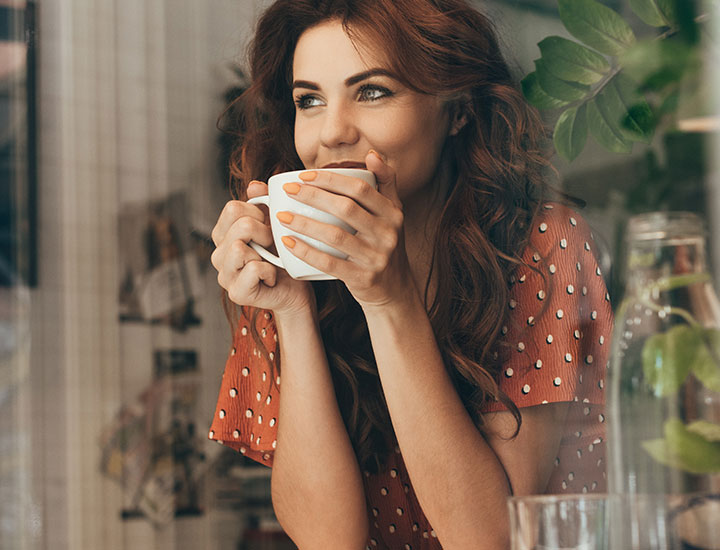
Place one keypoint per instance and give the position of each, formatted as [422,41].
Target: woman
[459,358]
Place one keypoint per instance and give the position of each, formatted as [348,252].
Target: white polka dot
[591,447]
[433,535]
[584,291]
[415,527]
[601,418]
[570,289]
[264,376]
[252,437]
[586,411]
[221,414]
[541,295]
[593,315]
[557,381]
[272,356]
[545,402]
[521,346]
[258,396]
[573,222]
[243,450]
[407,547]
[552,269]
[598,272]
[425,535]
[577,266]
[576,334]
[607,297]
[563,243]
[568,357]
[236,434]
[526,389]
[391,528]
[538,364]
[589,359]
[245,371]
[260,419]
[244,331]
[274,444]
[548,207]
[269,398]
[393,473]
[601,340]
[523,278]
[211,434]
[375,511]
[559,314]
[585,489]
[512,304]
[399,511]
[264,332]
[504,331]
[273,421]
[536,257]
[233,392]
[543,227]
[249,413]
[509,372]
[579,453]
[277,381]
[531,320]
[587,246]
[571,476]
[233,351]
[549,339]
[601,384]
[564,484]
[384,491]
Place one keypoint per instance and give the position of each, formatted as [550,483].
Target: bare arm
[461,480]
[317,489]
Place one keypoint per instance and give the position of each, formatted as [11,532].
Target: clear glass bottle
[664,391]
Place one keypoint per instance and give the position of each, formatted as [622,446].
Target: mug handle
[266,254]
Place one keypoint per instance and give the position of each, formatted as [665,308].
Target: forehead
[326,49]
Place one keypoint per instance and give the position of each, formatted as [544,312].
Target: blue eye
[373,92]
[307,101]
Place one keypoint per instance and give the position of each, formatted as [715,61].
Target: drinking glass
[559,522]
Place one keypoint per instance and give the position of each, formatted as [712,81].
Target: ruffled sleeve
[247,407]
[560,321]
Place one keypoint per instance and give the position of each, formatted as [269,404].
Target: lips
[346,164]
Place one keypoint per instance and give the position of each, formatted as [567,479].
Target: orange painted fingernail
[308,176]
[289,242]
[285,217]
[291,188]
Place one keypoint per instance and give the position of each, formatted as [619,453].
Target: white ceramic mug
[277,200]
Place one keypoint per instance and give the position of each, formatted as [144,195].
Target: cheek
[304,142]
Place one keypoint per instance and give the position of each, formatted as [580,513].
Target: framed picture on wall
[18,143]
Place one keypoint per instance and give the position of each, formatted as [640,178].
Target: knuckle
[237,246]
[336,236]
[397,218]
[346,206]
[233,209]
[215,259]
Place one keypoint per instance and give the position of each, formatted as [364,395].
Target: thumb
[256,188]
[384,174]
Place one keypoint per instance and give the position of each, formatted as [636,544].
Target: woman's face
[347,103]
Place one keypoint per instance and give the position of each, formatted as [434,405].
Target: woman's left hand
[376,270]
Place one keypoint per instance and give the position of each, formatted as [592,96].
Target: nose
[339,127]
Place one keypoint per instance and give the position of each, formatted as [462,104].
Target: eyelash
[302,101]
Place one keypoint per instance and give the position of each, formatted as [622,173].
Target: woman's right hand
[247,278]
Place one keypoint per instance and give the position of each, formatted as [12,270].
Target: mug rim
[552,499]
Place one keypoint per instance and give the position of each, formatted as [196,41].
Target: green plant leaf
[708,430]
[605,112]
[571,132]
[596,25]
[537,96]
[650,12]
[668,357]
[556,87]
[657,63]
[684,450]
[705,366]
[678,281]
[571,61]
[668,11]
[638,123]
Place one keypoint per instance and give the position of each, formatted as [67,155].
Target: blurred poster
[160,272]
[152,448]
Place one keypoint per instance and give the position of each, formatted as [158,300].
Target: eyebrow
[350,81]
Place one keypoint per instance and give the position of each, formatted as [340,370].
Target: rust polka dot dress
[558,335]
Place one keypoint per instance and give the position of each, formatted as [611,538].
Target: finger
[332,183]
[357,250]
[385,176]
[256,189]
[248,229]
[230,213]
[320,260]
[251,282]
